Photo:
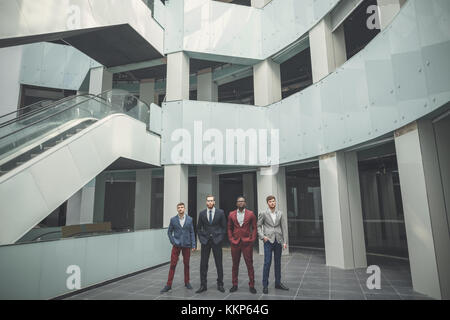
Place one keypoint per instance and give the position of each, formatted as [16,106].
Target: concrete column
[80,207]
[340,50]
[267,82]
[259,3]
[424,209]
[147,91]
[99,201]
[342,212]
[143,199]
[205,186]
[272,185]
[207,89]
[249,190]
[387,10]
[177,76]
[327,49]
[100,80]
[176,183]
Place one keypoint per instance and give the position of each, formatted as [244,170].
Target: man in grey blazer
[272,229]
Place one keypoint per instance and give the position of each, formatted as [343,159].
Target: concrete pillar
[249,190]
[340,50]
[387,10]
[272,185]
[259,3]
[327,49]
[176,177]
[207,184]
[342,212]
[207,89]
[147,91]
[143,199]
[424,209]
[100,80]
[80,207]
[99,201]
[177,76]
[176,183]
[267,82]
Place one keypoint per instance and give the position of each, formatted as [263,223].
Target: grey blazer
[274,231]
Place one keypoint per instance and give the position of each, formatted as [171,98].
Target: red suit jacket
[236,233]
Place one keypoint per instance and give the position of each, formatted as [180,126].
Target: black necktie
[210,217]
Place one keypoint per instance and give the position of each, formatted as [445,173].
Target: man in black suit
[212,228]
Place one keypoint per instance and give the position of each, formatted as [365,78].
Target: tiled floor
[304,272]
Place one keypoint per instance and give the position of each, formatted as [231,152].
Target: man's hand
[266,239]
[194,249]
[285,246]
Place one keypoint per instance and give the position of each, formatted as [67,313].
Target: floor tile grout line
[360,285]
[389,282]
[314,263]
[303,276]
[329,284]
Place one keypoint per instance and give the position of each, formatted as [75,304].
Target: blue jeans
[268,249]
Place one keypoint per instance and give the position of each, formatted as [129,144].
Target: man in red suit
[242,232]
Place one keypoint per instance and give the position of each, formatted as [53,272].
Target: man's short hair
[210,196]
[270,198]
[181,204]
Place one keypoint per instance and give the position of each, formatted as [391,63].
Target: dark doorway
[119,205]
[56,219]
[157,214]
[192,205]
[231,187]
[384,223]
[304,205]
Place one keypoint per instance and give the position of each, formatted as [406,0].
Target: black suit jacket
[215,231]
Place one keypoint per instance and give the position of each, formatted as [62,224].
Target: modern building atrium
[112,113]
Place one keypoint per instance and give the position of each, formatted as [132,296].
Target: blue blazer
[183,237]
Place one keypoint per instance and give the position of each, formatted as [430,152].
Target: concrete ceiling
[114,46]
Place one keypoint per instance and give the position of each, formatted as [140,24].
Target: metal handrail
[46,118]
[24,108]
[27,115]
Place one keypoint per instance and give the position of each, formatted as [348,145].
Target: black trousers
[204,260]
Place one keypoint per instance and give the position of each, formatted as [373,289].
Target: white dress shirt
[240,217]
[182,220]
[213,212]
[274,216]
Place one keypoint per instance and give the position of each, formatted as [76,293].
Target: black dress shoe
[265,290]
[282,287]
[188,286]
[253,290]
[166,289]
[202,289]
[233,289]
[221,289]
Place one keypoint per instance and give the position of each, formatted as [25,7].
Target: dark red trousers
[173,263]
[247,252]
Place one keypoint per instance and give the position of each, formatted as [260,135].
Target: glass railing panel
[124,102]
[45,128]
[35,117]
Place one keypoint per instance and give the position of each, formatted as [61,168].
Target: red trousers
[247,251]
[173,263]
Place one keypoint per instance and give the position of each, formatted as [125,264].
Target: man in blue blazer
[181,235]
[211,229]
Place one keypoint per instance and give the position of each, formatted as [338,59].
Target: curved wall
[234,33]
[401,76]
